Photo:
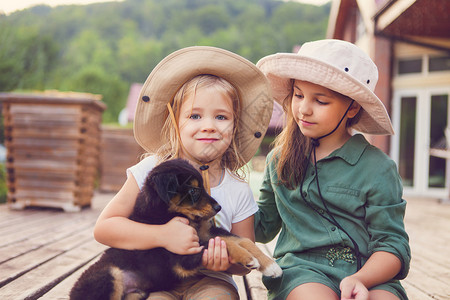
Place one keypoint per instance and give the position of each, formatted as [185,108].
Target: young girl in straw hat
[335,200]
[212,108]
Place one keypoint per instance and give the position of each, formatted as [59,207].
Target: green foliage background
[103,48]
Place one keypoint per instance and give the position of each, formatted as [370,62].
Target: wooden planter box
[119,152]
[53,147]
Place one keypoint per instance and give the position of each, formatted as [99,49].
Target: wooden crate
[119,152]
[53,148]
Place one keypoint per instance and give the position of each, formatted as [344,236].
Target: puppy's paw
[273,270]
[253,264]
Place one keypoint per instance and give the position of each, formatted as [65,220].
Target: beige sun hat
[337,65]
[172,72]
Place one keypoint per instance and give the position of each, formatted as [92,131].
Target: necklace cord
[315,143]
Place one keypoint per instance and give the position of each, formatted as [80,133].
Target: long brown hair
[291,149]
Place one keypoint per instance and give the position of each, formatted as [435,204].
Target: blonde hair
[292,148]
[231,159]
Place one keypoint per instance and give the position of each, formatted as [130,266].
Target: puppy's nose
[217,207]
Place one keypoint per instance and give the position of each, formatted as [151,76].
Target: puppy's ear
[166,186]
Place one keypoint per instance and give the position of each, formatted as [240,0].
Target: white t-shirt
[233,194]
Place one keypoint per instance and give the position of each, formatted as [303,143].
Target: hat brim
[172,72]
[282,67]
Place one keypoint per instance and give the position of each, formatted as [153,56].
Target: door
[420,118]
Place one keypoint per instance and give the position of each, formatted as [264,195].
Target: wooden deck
[43,251]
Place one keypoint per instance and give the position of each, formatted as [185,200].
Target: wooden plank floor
[43,251]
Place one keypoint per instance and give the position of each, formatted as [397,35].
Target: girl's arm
[268,221]
[245,228]
[216,258]
[114,229]
[385,211]
[380,268]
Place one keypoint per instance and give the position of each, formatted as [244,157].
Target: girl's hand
[179,237]
[352,288]
[215,258]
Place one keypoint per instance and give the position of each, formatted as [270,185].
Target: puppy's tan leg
[263,259]
[116,273]
[120,279]
[239,254]
[267,265]
[135,296]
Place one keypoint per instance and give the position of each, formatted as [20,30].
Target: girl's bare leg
[381,295]
[312,291]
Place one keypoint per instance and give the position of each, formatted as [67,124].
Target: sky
[9,6]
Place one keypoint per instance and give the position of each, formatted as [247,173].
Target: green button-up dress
[363,191]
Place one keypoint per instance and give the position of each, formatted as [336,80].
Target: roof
[425,18]
[423,22]
[133,95]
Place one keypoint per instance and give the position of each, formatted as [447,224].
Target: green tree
[11,65]
[93,80]
[137,57]
[211,18]
[26,58]
[102,48]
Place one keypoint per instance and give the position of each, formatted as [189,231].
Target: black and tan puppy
[173,188]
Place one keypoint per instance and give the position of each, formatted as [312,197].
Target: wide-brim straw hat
[337,65]
[256,102]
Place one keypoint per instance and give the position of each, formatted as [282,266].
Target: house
[409,40]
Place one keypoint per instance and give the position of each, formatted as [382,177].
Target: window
[407,139]
[415,65]
[439,63]
[438,123]
[409,66]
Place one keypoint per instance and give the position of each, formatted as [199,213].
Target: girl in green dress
[334,199]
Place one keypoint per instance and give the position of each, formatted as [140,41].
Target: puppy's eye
[195,193]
